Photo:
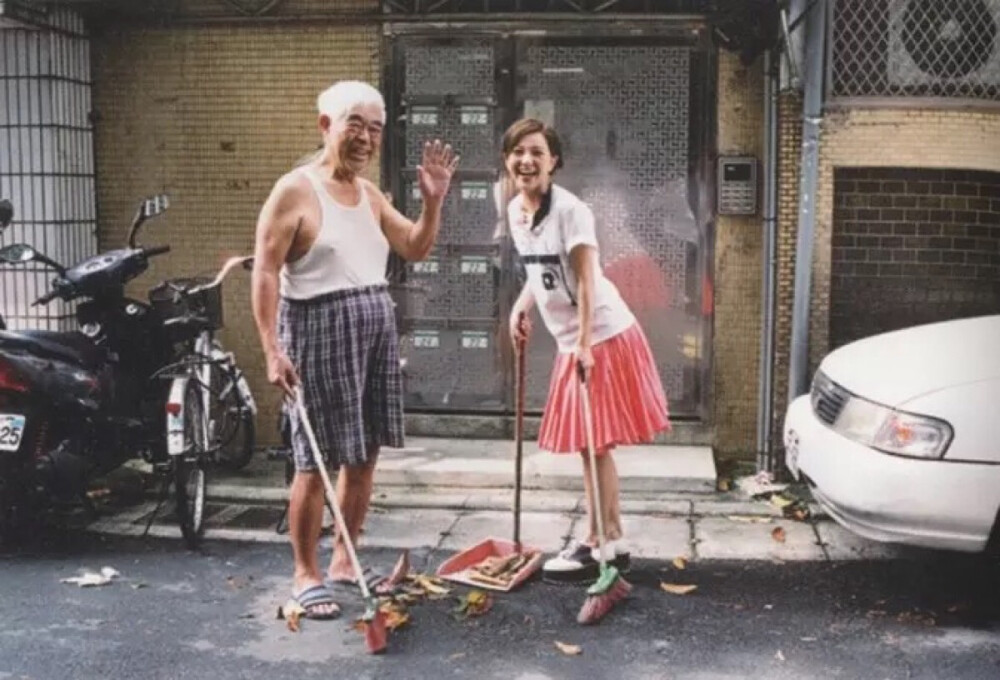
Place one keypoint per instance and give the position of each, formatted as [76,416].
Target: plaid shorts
[345,348]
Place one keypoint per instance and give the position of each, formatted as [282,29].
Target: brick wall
[789,165]
[212,115]
[738,253]
[912,246]
[895,138]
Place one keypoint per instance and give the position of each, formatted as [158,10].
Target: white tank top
[350,249]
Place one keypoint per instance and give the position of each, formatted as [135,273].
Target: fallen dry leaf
[475,603]
[291,612]
[675,589]
[569,650]
[799,514]
[430,585]
[724,485]
[778,534]
[680,563]
[781,502]
[399,574]
[396,614]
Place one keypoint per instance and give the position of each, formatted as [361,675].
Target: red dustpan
[460,567]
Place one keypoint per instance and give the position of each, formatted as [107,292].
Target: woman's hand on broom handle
[584,362]
[520,330]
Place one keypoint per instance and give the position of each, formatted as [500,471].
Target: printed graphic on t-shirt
[553,274]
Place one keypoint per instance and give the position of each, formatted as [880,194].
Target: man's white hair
[338,99]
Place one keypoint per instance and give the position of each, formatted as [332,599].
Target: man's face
[356,137]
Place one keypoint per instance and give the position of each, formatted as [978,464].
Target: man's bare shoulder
[290,188]
[374,193]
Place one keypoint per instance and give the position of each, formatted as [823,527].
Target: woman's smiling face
[530,164]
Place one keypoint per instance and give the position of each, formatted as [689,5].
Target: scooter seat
[72,347]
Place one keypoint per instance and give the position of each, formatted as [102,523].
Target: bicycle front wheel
[189,469]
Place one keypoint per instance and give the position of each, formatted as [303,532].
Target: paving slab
[546,531]
[712,507]
[842,544]
[416,528]
[723,539]
[660,538]
[649,507]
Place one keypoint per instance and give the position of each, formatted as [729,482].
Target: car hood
[895,367]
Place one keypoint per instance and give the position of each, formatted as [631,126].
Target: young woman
[554,234]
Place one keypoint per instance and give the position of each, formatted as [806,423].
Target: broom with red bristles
[373,619]
[610,588]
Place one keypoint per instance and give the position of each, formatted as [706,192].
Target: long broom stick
[610,588]
[373,619]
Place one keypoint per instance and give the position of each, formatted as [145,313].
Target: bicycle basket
[206,302]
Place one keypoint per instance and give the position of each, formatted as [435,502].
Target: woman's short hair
[529,126]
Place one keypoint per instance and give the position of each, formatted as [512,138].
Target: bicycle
[209,404]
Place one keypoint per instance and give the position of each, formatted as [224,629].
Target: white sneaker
[575,563]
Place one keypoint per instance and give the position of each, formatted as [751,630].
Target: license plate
[11,431]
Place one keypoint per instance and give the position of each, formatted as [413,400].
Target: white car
[899,438]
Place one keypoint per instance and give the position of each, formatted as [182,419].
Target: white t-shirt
[545,251]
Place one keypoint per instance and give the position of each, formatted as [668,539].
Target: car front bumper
[930,503]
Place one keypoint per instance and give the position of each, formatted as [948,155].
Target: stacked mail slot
[452,360]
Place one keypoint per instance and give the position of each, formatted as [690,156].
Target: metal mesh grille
[444,70]
[46,160]
[623,115]
[904,48]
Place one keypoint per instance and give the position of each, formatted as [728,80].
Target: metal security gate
[631,113]
[46,158]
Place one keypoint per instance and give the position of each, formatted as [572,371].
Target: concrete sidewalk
[449,494]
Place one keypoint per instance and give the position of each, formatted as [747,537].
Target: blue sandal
[316,596]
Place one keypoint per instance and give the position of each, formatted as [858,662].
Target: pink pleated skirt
[626,396]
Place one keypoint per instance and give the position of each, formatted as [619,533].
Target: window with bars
[915,48]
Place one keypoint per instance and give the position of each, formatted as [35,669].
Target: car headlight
[892,431]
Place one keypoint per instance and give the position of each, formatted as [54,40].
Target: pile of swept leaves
[401,591]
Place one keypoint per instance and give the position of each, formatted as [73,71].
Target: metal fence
[915,48]
[46,159]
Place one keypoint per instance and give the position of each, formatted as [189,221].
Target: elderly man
[326,321]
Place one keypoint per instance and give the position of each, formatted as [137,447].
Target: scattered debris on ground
[474,603]
[89,579]
[677,589]
[762,487]
[499,570]
[568,649]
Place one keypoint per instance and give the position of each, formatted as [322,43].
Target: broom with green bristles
[610,588]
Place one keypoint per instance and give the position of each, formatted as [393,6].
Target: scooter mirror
[17,253]
[155,205]
[6,214]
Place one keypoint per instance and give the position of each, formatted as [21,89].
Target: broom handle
[331,494]
[518,435]
[588,426]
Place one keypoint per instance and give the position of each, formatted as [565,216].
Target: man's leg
[354,493]
[305,521]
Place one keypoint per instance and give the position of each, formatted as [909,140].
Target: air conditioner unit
[938,42]
[22,14]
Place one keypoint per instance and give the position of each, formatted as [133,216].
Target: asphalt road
[176,614]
